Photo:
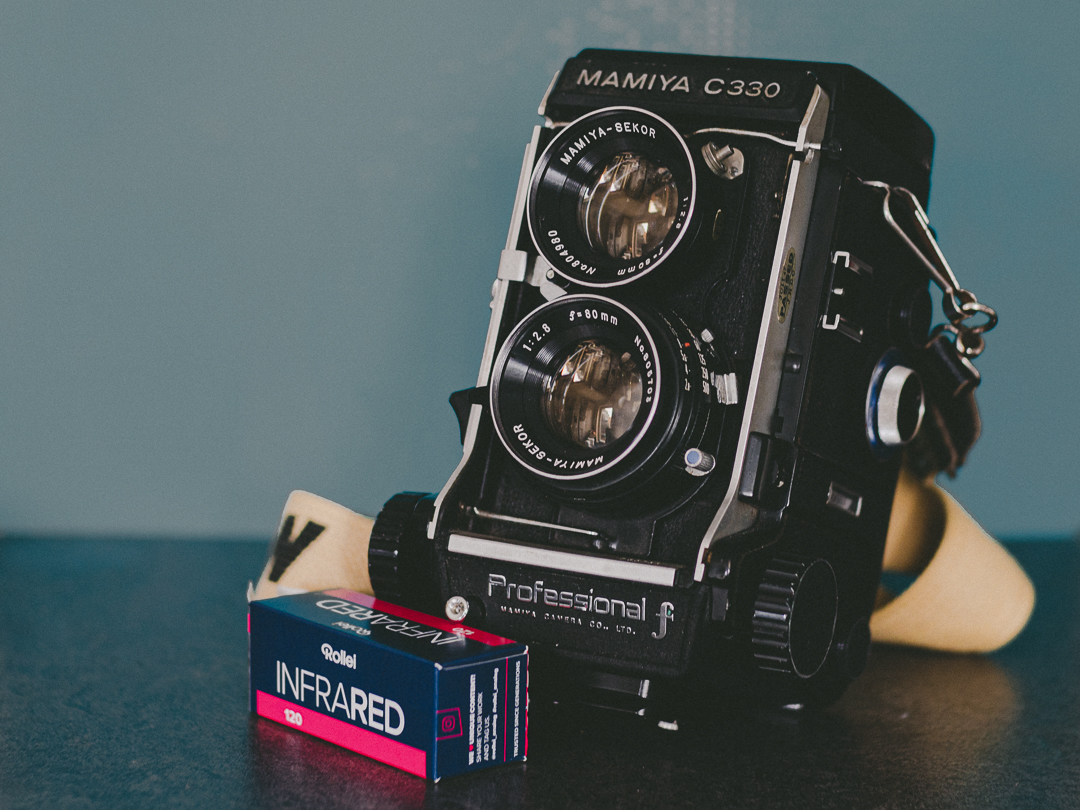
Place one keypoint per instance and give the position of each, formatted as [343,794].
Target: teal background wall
[246,247]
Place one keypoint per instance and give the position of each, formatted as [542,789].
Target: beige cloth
[332,550]
[969,594]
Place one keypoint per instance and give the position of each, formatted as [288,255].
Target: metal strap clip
[959,304]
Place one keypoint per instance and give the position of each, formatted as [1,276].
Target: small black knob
[853,650]
[400,559]
[911,315]
[794,616]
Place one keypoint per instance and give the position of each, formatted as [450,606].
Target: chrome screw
[457,608]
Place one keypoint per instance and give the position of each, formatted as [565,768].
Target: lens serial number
[567,257]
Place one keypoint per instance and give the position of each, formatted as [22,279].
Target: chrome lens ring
[535,352]
[612,197]
[651,369]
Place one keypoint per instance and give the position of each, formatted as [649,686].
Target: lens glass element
[629,208]
[594,396]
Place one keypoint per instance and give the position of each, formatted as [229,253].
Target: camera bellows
[794,616]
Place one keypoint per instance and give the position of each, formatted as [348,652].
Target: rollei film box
[417,692]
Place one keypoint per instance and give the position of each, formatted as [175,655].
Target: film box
[417,692]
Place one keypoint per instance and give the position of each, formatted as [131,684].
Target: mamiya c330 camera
[710,343]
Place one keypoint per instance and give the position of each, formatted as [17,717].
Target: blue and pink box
[417,692]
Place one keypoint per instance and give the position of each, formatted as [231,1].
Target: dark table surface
[123,683]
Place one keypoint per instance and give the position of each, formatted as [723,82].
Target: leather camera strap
[320,544]
[969,594]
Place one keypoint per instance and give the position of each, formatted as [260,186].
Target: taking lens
[602,398]
[594,396]
[629,207]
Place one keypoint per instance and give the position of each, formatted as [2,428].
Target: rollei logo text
[338,656]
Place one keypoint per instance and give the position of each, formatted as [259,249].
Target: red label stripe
[360,740]
[416,616]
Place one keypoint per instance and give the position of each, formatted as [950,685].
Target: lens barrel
[596,396]
[612,197]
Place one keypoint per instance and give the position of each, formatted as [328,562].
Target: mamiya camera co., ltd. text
[710,342]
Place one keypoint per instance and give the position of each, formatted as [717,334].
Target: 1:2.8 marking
[531,342]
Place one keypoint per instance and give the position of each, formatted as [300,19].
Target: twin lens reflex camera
[710,344]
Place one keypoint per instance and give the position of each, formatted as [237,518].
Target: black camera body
[704,359]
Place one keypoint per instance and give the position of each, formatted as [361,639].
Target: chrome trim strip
[542,109]
[481,513]
[798,146]
[648,573]
[735,515]
[498,303]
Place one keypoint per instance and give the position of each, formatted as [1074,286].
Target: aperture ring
[676,394]
[533,352]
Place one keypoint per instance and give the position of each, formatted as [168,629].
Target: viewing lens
[629,208]
[594,396]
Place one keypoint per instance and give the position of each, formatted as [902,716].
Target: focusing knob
[399,555]
[794,616]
